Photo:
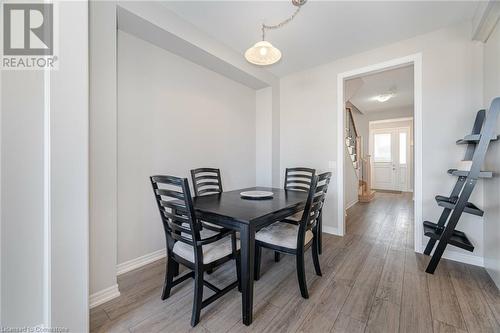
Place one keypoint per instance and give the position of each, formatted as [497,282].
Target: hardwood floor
[372,282]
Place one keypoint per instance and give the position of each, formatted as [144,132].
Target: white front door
[389,148]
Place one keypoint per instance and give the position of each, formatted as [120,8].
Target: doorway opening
[391,151]
[379,133]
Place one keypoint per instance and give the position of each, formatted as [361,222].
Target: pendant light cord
[279,25]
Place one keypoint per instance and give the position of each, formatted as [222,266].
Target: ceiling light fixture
[264,53]
[384,97]
[387,96]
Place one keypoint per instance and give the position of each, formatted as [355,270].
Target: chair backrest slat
[298,179]
[175,204]
[315,199]
[206,181]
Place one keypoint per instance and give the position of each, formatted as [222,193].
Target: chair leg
[169,277]
[176,269]
[315,256]
[238,271]
[320,234]
[256,266]
[198,296]
[301,274]
[277,256]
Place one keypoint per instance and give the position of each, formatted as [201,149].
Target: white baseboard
[130,265]
[103,296]
[464,258]
[349,205]
[330,230]
[458,256]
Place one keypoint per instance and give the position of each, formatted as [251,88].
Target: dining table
[233,211]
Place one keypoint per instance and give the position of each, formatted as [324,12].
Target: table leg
[247,238]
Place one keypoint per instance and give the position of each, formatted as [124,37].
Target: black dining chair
[206,181]
[199,248]
[323,179]
[297,179]
[289,238]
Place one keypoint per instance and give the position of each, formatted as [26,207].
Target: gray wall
[492,186]
[173,116]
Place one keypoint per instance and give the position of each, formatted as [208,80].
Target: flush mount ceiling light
[384,97]
[387,96]
[264,53]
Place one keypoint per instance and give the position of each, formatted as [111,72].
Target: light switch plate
[332,165]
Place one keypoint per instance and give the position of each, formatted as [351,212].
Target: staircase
[353,141]
[360,163]
[365,193]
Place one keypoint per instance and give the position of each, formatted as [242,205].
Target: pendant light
[263,53]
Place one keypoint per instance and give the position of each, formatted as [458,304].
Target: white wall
[174,116]
[103,178]
[22,187]
[44,185]
[263,136]
[69,173]
[452,80]
[492,186]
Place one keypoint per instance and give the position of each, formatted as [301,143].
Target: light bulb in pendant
[263,53]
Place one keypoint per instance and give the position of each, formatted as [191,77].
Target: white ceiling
[324,30]
[400,80]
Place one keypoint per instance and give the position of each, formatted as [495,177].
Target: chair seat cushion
[204,233]
[211,252]
[211,225]
[282,234]
[296,217]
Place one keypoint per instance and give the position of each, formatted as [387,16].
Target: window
[402,148]
[382,147]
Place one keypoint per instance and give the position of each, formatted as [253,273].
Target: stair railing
[353,140]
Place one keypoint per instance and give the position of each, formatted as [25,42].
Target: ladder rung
[449,203]
[463,173]
[473,138]
[458,239]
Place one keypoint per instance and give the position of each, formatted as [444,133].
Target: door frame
[372,131]
[416,61]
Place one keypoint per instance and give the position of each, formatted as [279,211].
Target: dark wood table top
[231,206]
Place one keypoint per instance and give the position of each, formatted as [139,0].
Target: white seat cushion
[212,225]
[282,234]
[211,252]
[296,217]
[204,233]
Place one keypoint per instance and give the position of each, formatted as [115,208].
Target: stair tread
[464,173]
[474,138]
[458,239]
[448,202]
